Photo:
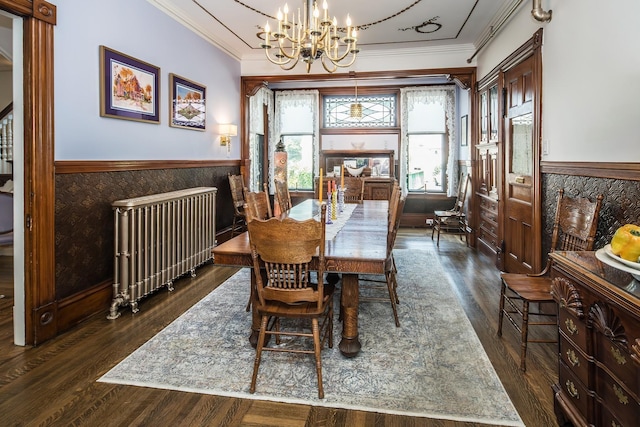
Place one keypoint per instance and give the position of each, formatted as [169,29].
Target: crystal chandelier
[310,38]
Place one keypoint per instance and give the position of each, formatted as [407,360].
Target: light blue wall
[138,29]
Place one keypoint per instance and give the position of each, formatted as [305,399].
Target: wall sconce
[226,132]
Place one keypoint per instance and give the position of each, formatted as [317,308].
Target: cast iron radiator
[159,238]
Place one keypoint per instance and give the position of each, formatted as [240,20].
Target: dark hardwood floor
[55,383]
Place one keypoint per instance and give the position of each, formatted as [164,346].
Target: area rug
[432,366]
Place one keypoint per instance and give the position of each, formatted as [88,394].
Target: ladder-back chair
[453,220]
[258,203]
[354,189]
[236,184]
[282,252]
[283,198]
[369,285]
[574,229]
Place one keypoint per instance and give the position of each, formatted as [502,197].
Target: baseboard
[81,306]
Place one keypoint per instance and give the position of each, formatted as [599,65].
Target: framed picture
[129,88]
[464,131]
[187,106]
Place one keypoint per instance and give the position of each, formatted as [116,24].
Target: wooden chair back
[354,189]
[575,223]
[283,198]
[282,252]
[394,222]
[258,204]
[236,184]
[394,197]
[461,194]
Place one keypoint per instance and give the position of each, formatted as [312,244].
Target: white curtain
[288,99]
[445,96]
[256,126]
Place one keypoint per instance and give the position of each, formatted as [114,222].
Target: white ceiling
[234,25]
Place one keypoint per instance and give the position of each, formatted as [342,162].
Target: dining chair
[259,203]
[236,184]
[354,189]
[453,220]
[574,229]
[282,251]
[6,219]
[283,198]
[390,280]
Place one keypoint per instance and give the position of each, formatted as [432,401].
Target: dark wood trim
[456,74]
[39,191]
[22,8]
[89,166]
[78,307]
[39,18]
[525,50]
[628,171]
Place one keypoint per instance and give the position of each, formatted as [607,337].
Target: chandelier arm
[350,63]
[341,56]
[295,52]
[324,65]
[276,61]
[290,67]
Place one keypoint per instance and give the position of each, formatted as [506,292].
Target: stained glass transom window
[378,111]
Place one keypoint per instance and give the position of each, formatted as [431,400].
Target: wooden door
[521,225]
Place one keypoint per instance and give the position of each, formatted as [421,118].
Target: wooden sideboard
[375,188]
[599,341]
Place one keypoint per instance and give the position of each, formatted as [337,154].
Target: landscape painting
[129,88]
[188,103]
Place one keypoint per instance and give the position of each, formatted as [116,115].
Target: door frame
[40,306]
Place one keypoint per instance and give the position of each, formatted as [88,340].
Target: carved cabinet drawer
[573,328]
[618,399]
[609,420]
[618,361]
[574,359]
[574,390]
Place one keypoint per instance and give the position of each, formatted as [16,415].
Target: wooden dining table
[359,247]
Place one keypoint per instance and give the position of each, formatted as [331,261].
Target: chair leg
[392,295]
[501,312]
[317,349]
[256,363]
[525,335]
[251,295]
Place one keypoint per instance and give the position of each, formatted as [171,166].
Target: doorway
[12,263]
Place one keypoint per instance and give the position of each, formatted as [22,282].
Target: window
[299,148]
[426,171]
[377,111]
[296,114]
[427,148]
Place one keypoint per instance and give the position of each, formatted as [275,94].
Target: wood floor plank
[55,383]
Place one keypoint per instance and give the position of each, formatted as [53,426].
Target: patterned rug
[432,366]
